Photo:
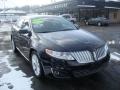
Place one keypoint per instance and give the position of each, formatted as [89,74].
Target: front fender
[37,46]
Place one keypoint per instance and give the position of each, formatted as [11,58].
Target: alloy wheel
[87,23]
[99,24]
[36,65]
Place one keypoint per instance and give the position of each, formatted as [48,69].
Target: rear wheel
[99,24]
[36,65]
[87,23]
[14,49]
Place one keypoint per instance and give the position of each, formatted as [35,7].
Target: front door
[25,44]
[25,41]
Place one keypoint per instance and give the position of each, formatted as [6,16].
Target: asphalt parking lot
[16,73]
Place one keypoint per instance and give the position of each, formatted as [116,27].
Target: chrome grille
[83,56]
[100,53]
[87,56]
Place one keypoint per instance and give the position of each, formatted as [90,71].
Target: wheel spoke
[35,65]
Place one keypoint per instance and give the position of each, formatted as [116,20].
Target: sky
[20,3]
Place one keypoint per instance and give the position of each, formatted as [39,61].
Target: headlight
[59,55]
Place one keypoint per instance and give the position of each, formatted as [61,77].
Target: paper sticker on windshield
[37,21]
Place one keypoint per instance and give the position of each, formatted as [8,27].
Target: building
[11,15]
[113,10]
[84,9]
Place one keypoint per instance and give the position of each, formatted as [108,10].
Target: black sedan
[99,21]
[54,46]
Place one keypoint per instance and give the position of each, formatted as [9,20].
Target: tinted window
[66,16]
[101,18]
[51,24]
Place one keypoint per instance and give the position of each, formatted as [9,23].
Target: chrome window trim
[22,54]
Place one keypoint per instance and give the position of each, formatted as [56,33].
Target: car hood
[74,40]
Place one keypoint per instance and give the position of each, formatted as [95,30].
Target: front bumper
[61,69]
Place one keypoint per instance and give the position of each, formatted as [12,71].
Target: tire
[99,24]
[36,65]
[87,23]
[73,22]
[14,49]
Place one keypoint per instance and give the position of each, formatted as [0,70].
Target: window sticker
[37,21]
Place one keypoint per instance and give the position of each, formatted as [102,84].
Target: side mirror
[25,31]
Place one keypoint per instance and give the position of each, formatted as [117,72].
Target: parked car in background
[99,21]
[55,46]
[69,17]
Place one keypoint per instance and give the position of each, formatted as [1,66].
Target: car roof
[97,17]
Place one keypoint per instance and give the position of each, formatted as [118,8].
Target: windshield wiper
[67,29]
[57,30]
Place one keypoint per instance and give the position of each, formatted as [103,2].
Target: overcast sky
[19,3]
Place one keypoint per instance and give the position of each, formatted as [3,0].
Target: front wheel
[36,65]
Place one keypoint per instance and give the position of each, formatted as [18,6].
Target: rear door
[90,21]
[16,35]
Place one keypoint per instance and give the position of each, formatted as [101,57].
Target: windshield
[51,24]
